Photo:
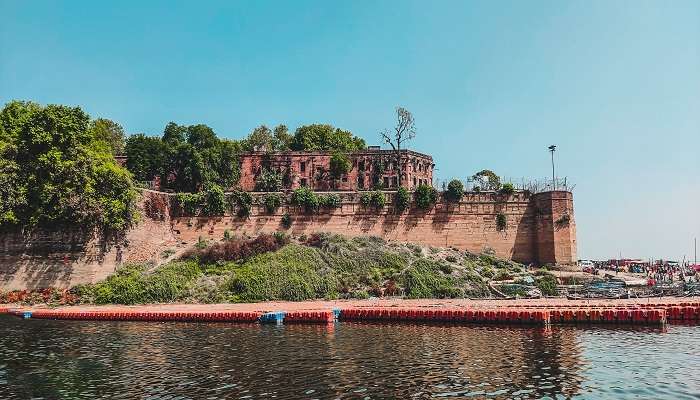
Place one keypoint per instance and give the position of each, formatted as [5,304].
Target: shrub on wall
[378,199]
[339,165]
[455,191]
[507,189]
[286,221]
[501,221]
[214,200]
[366,198]
[426,196]
[402,200]
[306,198]
[241,202]
[329,201]
[188,203]
[272,201]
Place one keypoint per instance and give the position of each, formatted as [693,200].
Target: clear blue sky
[615,84]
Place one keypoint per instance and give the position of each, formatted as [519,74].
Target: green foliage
[455,190]
[292,273]
[272,201]
[187,158]
[145,156]
[507,189]
[425,196]
[339,165]
[188,203]
[329,201]
[501,221]
[286,221]
[486,180]
[547,283]
[132,285]
[366,199]
[214,200]
[242,202]
[110,133]
[264,139]
[306,198]
[425,279]
[268,181]
[378,199]
[227,235]
[325,138]
[402,200]
[55,172]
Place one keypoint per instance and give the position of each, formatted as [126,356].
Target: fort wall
[540,228]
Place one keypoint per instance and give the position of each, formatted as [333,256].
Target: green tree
[325,137]
[174,134]
[61,173]
[426,196]
[146,156]
[110,133]
[402,200]
[486,180]
[455,190]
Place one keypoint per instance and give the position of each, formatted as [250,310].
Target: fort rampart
[539,228]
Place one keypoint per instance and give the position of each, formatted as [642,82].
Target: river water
[137,360]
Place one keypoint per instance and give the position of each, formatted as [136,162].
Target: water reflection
[82,359]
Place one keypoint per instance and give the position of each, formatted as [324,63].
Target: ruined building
[368,168]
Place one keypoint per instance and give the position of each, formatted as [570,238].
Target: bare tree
[404,131]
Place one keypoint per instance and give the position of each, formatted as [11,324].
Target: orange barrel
[624,315]
[582,316]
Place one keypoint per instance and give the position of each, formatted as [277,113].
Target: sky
[614,84]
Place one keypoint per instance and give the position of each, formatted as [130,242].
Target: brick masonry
[540,229]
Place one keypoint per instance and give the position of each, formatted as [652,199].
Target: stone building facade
[368,168]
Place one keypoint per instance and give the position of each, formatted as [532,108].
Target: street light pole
[552,148]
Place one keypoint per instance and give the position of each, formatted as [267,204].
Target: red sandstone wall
[535,232]
[65,258]
[469,225]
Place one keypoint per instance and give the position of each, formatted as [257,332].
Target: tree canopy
[325,138]
[186,158]
[57,168]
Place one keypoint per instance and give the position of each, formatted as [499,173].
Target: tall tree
[110,133]
[61,173]
[403,131]
[325,137]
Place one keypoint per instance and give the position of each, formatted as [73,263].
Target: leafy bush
[507,189]
[402,200]
[455,191]
[241,202]
[425,196]
[306,198]
[214,200]
[547,283]
[272,201]
[501,221]
[188,203]
[286,221]
[293,273]
[366,199]
[268,181]
[424,279]
[378,199]
[329,201]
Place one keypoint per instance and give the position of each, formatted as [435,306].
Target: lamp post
[552,148]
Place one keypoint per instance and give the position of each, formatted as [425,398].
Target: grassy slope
[333,267]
